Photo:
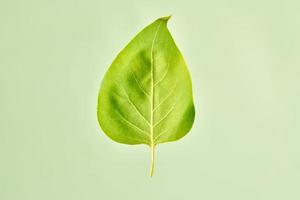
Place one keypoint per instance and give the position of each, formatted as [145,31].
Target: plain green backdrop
[244,58]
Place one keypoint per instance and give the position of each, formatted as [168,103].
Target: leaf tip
[165,18]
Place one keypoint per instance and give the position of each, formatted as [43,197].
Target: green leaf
[146,94]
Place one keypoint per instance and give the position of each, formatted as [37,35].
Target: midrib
[152,88]
[152,103]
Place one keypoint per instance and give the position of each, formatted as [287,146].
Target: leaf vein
[135,107]
[139,84]
[166,115]
[164,76]
[160,134]
[133,125]
[167,96]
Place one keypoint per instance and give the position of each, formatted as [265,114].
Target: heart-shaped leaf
[146,94]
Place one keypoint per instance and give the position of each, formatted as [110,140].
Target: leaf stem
[152,160]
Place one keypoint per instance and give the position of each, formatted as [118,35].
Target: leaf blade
[148,86]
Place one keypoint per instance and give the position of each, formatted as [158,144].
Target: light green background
[244,58]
